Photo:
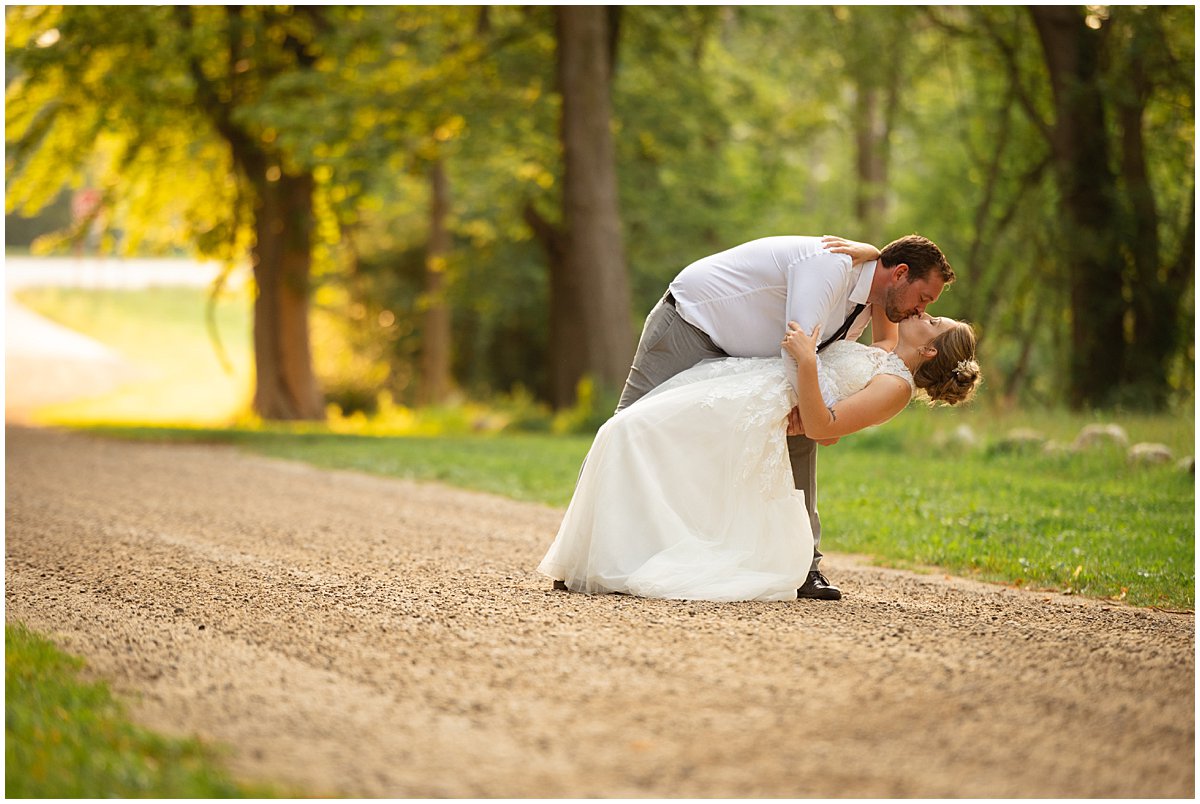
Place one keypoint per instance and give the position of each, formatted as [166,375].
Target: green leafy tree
[1088,82]
[432,132]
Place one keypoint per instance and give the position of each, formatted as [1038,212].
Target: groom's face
[905,299]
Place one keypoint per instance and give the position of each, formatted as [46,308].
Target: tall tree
[1079,141]
[420,124]
[260,44]
[591,332]
[435,378]
[1069,210]
[875,69]
[1144,64]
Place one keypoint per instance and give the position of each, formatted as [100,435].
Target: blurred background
[472,209]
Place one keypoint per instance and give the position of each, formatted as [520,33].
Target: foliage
[103,99]
[1009,234]
[726,129]
[65,737]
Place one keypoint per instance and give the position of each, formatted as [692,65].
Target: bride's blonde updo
[952,375]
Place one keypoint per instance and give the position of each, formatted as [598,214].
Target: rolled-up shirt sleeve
[817,289]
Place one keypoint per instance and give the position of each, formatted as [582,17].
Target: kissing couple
[703,484]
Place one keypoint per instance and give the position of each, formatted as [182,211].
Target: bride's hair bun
[952,375]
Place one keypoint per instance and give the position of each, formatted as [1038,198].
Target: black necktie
[841,333]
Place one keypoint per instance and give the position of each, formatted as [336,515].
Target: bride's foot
[559,586]
[818,587]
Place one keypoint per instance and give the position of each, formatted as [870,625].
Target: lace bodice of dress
[845,367]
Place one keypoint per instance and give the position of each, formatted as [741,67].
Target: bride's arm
[883,398]
[796,427]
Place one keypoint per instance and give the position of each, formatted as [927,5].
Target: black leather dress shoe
[818,587]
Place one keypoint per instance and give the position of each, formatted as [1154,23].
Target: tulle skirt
[688,494]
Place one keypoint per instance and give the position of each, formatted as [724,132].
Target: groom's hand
[795,425]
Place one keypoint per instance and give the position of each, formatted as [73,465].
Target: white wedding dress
[688,493]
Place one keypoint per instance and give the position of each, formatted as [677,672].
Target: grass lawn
[66,737]
[1088,524]
[162,332]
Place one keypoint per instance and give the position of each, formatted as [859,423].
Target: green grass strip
[1085,524]
[65,737]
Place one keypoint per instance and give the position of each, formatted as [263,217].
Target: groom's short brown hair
[920,254]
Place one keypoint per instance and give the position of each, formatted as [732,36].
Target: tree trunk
[434,386]
[282,208]
[1087,186]
[1016,378]
[1156,303]
[285,387]
[873,116]
[867,33]
[590,324]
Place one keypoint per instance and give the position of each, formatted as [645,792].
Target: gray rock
[1058,448]
[962,437]
[1147,453]
[1094,435]
[1020,439]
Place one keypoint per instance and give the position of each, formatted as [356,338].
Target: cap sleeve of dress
[895,366]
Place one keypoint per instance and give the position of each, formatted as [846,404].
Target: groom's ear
[900,273]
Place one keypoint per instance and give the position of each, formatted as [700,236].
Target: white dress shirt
[743,298]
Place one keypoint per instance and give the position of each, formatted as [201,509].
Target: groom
[737,304]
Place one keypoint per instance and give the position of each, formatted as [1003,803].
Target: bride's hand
[859,252]
[795,425]
[797,343]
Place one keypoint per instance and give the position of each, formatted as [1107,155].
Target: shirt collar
[862,288]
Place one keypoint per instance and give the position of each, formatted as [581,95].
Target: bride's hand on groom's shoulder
[859,252]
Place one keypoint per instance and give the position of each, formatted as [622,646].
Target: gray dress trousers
[670,345]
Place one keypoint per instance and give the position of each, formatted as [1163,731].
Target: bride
[688,494]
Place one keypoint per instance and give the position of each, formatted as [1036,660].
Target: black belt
[669,299]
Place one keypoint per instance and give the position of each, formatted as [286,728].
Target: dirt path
[360,636]
[47,363]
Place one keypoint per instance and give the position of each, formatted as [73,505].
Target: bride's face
[920,330]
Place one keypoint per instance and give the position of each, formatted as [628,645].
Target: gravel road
[359,636]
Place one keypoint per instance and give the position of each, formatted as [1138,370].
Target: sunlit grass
[66,737]
[178,375]
[1086,523]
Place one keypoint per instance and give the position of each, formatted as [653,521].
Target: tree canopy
[401,179]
